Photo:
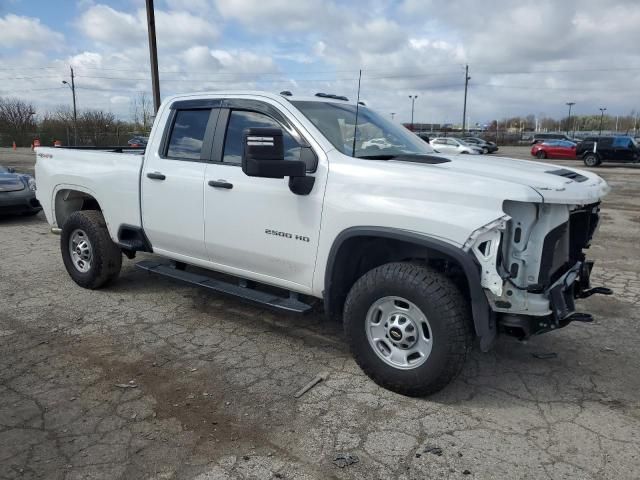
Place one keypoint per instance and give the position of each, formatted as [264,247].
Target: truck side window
[187,134]
[241,119]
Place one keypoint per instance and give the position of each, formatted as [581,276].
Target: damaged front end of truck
[533,261]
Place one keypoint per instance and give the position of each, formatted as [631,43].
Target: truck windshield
[376,136]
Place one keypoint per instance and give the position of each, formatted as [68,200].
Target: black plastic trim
[196,104]
[139,237]
[483,317]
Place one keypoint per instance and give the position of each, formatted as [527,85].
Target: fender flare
[483,317]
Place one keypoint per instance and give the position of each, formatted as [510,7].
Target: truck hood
[556,184]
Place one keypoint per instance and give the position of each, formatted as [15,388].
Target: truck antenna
[355,126]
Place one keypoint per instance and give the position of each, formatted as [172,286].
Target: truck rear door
[172,180]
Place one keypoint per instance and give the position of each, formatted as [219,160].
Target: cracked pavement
[150,378]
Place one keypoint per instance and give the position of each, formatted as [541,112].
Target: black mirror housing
[263,155]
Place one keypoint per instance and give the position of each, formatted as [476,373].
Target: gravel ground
[153,379]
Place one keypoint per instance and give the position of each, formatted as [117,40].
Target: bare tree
[142,111]
[94,125]
[16,118]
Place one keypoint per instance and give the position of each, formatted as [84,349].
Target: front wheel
[541,154]
[90,256]
[408,327]
[591,160]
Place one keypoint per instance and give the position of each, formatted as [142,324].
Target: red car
[554,149]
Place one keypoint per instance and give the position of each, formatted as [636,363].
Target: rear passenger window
[622,142]
[187,134]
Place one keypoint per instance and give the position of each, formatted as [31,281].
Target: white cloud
[19,31]
[111,27]
[104,24]
[270,15]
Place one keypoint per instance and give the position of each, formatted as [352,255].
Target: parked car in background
[138,142]
[454,146]
[541,137]
[17,193]
[485,145]
[380,143]
[554,149]
[595,150]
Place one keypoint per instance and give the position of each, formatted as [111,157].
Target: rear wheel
[591,160]
[541,154]
[90,256]
[408,327]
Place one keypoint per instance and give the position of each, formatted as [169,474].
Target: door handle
[220,184]
[156,176]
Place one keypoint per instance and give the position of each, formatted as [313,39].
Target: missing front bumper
[573,284]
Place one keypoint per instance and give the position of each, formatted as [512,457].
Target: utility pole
[393,114]
[570,104]
[413,101]
[153,54]
[72,86]
[602,110]
[466,86]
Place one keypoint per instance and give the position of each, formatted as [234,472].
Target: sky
[524,57]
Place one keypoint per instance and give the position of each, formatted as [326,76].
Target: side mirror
[263,156]
[11,170]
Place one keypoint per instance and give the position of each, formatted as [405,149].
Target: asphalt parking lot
[149,378]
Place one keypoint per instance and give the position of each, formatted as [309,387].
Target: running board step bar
[288,304]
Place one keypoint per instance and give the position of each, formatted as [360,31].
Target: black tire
[106,256]
[541,154]
[591,160]
[485,151]
[445,308]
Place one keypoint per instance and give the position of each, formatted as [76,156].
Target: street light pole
[413,101]
[393,114]
[72,86]
[602,110]
[570,104]
[466,85]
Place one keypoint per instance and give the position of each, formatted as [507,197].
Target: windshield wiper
[382,156]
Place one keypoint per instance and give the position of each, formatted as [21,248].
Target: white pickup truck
[289,202]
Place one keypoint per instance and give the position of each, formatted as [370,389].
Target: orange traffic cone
[14,144]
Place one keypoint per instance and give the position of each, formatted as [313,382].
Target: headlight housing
[32,184]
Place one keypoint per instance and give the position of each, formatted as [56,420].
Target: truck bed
[112,178]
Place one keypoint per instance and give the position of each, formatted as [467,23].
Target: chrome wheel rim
[399,332]
[81,251]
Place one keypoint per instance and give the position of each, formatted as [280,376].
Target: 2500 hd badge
[277,233]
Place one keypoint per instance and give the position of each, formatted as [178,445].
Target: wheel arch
[357,250]
[70,199]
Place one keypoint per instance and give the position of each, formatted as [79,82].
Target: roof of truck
[261,93]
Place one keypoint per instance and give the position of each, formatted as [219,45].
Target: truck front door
[172,181]
[256,227]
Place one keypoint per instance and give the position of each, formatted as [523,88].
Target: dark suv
[595,150]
